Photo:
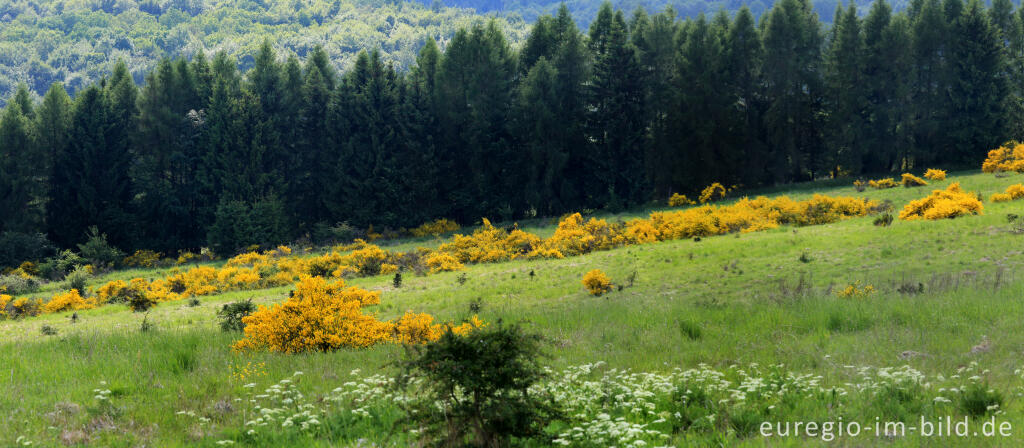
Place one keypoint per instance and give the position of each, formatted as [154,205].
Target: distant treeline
[634,110]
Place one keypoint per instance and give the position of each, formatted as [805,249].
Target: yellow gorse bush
[882,184]
[1009,157]
[318,316]
[143,259]
[68,301]
[443,262]
[435,228]
[679,200]
[712,192]
[325,316]
[855,290]
[597,282]
[1013,192]
[4,300]
[910,180]
[935,174]
[949,203]
[419,328]
[489,244]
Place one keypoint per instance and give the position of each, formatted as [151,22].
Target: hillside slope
[77,42]
[948,295]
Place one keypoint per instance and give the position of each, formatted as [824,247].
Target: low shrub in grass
[474,391]
[230,315]
[98,251]
[597,282]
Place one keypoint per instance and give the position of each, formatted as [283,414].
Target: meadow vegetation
[702,342]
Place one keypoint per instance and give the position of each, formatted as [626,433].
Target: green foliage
[18,247]
[16,285]
[474,388]
[49,41]
[98,251]
[77,279]
[978,399]
[231,314]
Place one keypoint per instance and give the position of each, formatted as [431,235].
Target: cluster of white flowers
[603,431]
[102,394]
[616,407]
[359,395]
[282,404]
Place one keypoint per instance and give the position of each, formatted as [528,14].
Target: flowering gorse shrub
[1009,157]
[712,192]
[910,180]
[949,203]
[419,328]
[489,244]
[325,316]
[935,174]
[68,301]
[680,200]
[882,184]
[597,282]
[856,290]
[143,259]
[4,301]
[1013,192]
[318,316]
[442,262]
[435,228]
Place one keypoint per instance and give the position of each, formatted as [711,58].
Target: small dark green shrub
[884,220]
[138,301]
[397,280]
[474,388]
[48,330]
[77,279]
[230,315]
[60,265]
[98,251]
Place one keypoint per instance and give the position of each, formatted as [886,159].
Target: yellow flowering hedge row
[1009,157]
[949,203]
[574,236]
[324,316]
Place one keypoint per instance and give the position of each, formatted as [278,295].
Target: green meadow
[947,294]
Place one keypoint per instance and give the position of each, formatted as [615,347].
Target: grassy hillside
[949,293]
[77,42]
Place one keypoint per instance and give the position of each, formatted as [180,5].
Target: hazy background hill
[77,41]
[584,11]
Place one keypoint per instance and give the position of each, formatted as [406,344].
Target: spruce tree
[978,91]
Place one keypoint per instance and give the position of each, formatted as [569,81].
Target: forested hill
[585,10]
[635,109]
[78,41]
